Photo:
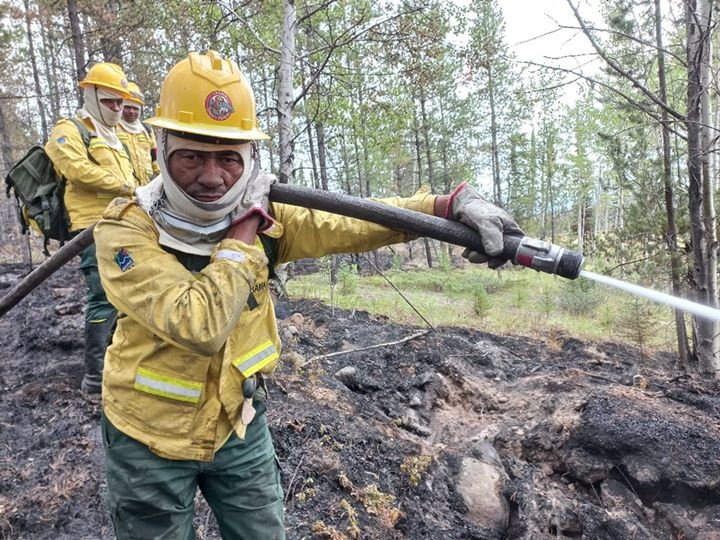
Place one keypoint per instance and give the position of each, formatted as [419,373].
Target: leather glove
[256,200]
[490,221]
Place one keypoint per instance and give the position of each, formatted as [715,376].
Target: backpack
[39,192]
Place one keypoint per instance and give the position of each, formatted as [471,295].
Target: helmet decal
[124,82]
[218,105]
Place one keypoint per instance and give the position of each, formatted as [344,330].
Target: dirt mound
[452,434]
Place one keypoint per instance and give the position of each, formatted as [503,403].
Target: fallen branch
[389,344]
[292,480]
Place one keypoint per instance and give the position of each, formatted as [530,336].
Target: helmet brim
[208,130]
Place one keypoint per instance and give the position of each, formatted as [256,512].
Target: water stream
[662,298]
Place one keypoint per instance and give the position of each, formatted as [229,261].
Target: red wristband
[451,200]
[266,223]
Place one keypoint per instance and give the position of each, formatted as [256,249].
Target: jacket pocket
[165,402]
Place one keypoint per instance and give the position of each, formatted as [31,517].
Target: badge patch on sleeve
[61,140]
[124,260]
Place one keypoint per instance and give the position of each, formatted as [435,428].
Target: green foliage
[415,467]
[348,279]
[637,321]
[444,262]
[547,302]
[520,295]
[580,296]
[481,301]
[607,317]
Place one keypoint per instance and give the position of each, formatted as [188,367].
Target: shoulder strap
[147,129]
[85,134]
[270,246]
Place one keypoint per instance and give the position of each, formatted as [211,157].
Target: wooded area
[376,99]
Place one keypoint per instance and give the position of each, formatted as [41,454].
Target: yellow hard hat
[205,94]
[107,75]
[135,94]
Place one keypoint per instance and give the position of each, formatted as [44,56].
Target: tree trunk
[580,224]
[428,252]
[358,172]
[696,41]
[51,66]
[671,230]
[311,143]
[346,165]
[78,43]
[708,171]
[36,74]
[364,165]
[268,120]
[497,188]
[5,146]
[426,137]
[285,91]
[671,225]
[110,43]
[418,149]
[418,153]
[322,155]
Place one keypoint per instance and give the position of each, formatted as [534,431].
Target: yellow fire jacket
[95,175]
[185,342]
[141,146]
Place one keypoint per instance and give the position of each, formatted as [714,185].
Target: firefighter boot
[96,340]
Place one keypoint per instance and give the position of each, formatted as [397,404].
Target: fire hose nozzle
[543,256]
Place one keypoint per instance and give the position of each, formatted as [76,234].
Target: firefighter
[186,263]
[95,173]
[137,136]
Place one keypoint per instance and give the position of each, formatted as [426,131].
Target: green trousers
[99,309]
[152,498]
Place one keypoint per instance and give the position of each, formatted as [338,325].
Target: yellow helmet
[135,94]
[107,75]
[205,94]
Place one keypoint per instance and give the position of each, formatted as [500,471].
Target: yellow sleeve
[196,312]
[70,158]
[312,233]
[153,147]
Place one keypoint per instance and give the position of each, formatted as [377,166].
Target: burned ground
[452,434]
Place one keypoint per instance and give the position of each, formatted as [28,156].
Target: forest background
[611,151]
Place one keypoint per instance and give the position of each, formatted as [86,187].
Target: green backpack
[39,192]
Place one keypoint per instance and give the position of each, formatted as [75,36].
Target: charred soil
[386,431]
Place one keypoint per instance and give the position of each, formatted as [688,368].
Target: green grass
[515,301]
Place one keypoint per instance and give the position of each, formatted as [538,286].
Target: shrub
[637,321]
[481,301]
[547,302]
[348,279]
[580,297]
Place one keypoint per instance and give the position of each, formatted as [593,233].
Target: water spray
[700,310]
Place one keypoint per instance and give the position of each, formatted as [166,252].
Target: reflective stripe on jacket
[140,146]
[186,341]
[90,186]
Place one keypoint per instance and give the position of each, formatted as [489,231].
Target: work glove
[255,200]
[490,221]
